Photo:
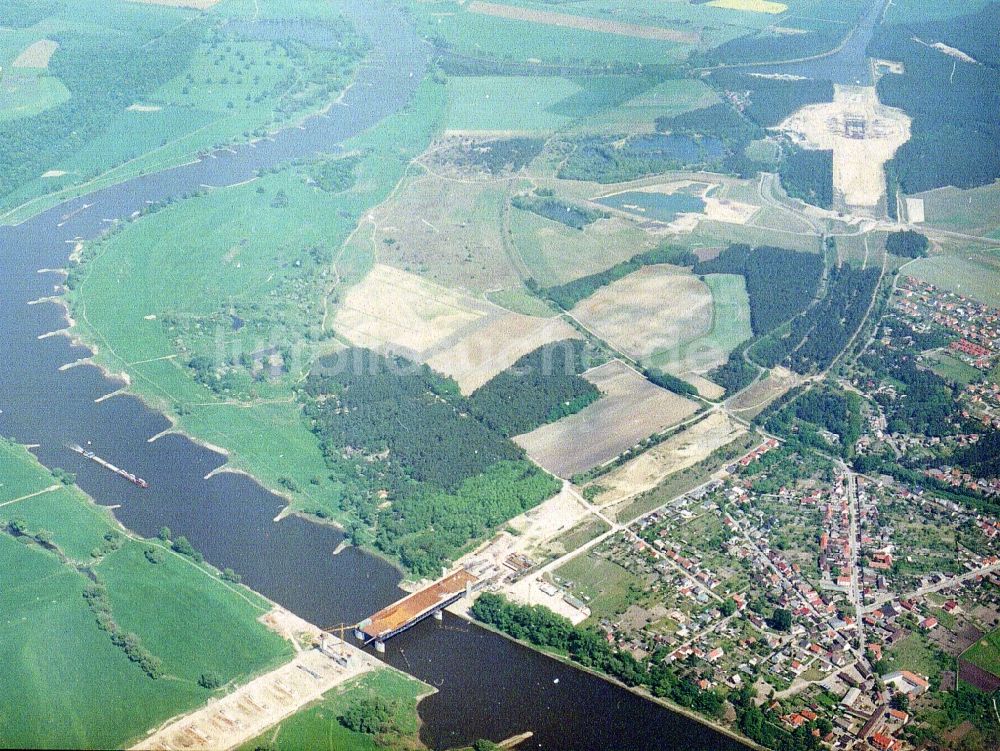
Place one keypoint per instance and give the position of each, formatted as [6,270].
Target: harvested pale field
[653,310]
[402,312]
[143,108]
[503,340]
[731,212]
[749,403]
[707,388]
[753,6]
[195,4]
[630,410]
[36,55]
[863,135]
[467,339]
[915,210]
[675,454]
[566,20]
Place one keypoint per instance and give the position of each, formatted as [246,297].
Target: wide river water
[487,686]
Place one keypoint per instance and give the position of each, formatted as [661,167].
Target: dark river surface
[487,686]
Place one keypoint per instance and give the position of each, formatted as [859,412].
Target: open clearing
[863,135]
[36,55]
[681,451]
[653,310]
[566,20]
[749,403]
[447,231]
[464,338]
[630,409]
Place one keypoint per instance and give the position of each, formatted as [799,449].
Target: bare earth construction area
[863,135]
[464,338]
[630,409]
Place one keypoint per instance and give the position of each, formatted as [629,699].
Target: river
[487,686]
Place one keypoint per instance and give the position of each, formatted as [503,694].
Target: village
[843,601]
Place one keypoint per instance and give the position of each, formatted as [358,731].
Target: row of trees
[569,294]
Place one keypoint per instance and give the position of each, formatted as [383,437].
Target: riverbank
[461,609]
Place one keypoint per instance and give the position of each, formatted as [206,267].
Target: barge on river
[134,479]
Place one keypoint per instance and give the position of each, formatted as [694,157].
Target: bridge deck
[417,605]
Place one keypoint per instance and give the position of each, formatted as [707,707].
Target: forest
[807,174]
[907,244]
[819,334]
[780,282]
[20,14]
[569,294]
[769,101]
[541,387]
[415,464]
[820,408]
[735,373]
[953,104]
[611,160]
[335,175]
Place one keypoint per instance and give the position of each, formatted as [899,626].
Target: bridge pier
[438,615]
[380,646]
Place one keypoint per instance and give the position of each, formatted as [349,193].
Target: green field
[915,654]
[65,684]
[959,273]
[24,93]
[268,251]
[638,114]
[499,103]
[318,728]
[972,211]
[953,369]
[730,328]
[985,653]
[608,585]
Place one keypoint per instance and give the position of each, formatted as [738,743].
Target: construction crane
[341,629]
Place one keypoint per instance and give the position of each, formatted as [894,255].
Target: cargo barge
[135,480]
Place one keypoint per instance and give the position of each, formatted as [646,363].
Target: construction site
[863,135]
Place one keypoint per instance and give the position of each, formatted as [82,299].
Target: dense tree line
[808,174]
[569,294]
[413,462]
[907,244]
[541,387]
[669,381]
[540,626]
[953,104]
[496,156]
[768,101]
[780,282]
[819,334]
[557,210]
